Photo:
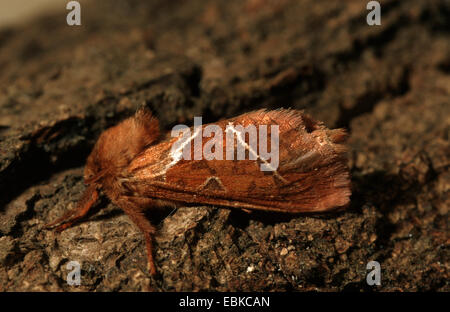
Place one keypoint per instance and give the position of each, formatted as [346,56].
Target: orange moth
[137,168]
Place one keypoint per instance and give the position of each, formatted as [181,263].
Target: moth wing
[311,174]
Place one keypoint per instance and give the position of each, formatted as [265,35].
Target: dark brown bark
[61,86]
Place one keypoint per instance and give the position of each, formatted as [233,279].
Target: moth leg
[87,200]
[136,214]
[246,210]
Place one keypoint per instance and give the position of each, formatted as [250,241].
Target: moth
[138,168]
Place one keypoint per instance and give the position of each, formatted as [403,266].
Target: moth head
[117,146]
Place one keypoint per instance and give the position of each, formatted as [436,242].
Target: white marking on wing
[251,151]
[177,154]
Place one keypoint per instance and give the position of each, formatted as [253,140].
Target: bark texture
[61,86]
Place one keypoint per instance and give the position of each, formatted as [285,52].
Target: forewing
[311,175]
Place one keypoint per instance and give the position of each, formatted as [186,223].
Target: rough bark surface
[61,86]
